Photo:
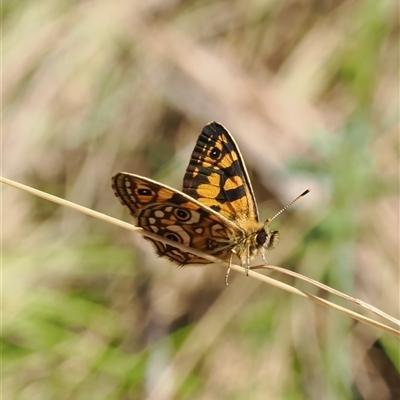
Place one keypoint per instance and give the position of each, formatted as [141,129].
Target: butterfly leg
[248,261]
[264,258]
[228,270]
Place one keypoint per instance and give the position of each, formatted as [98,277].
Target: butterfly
[216,211]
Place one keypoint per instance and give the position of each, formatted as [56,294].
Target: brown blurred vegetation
[310,91]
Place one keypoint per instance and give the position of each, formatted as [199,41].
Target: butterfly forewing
[217,177]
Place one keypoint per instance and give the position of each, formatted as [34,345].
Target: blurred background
[309,90]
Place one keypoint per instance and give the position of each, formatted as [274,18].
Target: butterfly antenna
[287,206]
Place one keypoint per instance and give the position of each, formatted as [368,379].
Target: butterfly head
[257,240]
[266,238]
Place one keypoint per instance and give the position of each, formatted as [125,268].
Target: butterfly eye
[215,153]
[261,237]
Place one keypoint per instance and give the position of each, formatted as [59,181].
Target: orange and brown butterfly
[215,212]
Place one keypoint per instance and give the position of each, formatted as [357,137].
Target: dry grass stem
[235,267]
[331,290]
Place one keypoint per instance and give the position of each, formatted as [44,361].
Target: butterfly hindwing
[217,177]
[172,214]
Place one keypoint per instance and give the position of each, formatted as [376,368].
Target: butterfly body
[215,212]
